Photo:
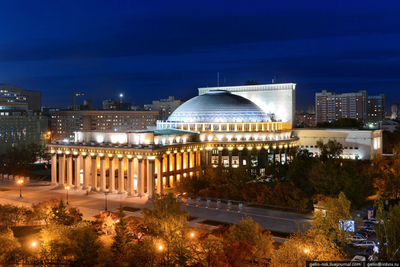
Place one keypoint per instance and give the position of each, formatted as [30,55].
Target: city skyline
[102,49]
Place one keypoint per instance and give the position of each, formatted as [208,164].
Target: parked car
[369,230]
[368,225]
[363,233]
[364,244]
[357,238]
[373,220]
[359,258]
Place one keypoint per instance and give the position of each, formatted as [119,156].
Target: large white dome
[218,106]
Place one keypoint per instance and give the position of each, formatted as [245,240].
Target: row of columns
[94,173]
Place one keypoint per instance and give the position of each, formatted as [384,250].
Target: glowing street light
[20,187]
[34,244]
[67,188]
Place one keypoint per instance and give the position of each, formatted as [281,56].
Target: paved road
[94,203]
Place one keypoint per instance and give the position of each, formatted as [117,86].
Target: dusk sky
[150,50]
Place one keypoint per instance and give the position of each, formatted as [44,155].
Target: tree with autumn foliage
[330,217]
[308,245]
[167,222]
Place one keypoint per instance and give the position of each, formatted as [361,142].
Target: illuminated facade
[214,128]
[276,100]
[218,128]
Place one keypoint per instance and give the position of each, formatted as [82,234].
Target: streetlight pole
[20,187]
[67,188]
[106,193]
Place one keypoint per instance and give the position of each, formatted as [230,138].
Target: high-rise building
[64,123]
[15,94]
[331,106]
[376,108]
[165,107]
[18,125]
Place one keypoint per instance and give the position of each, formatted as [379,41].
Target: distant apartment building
[20,126]
[87,104]
[65,122]
[15,94]
[375,108]
[304,119]
[165,107]
[331,106]
[112,104]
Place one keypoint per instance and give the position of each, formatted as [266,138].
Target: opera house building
[217,127]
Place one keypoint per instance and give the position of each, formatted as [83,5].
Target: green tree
[299,169]
[64,215]
[57,246]
[122,237]
[249,234]
[168,223]
[305,246]
[388,232]
[10,249]
[87,246]
[43,211]
[332,149]
[330,216]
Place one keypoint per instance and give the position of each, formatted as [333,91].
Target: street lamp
[67,188]
[105,194]
[20,187]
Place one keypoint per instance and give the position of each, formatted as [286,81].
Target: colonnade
[140,175]
[136,172]
[112,173]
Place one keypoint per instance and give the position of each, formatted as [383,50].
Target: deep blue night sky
[151,50]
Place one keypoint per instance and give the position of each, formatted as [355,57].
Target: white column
[61,170]
[54,169]
[112,174]
[103,173]
[150,178]
[94,172]
[121,175]
[69,170]
[77,170]
[131,189]
[86,171]
[140,185]
[160,184]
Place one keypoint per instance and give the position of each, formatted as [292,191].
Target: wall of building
[279,99]
[65,122]
[17,130]
[361,144]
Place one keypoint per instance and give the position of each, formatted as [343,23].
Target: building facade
[65,122]
[277,100]
[212,129]
[357,144]
[165,107]
[236,133]
[15,94]
[331,106]
[20,126]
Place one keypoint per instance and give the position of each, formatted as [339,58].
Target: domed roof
[218,106]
